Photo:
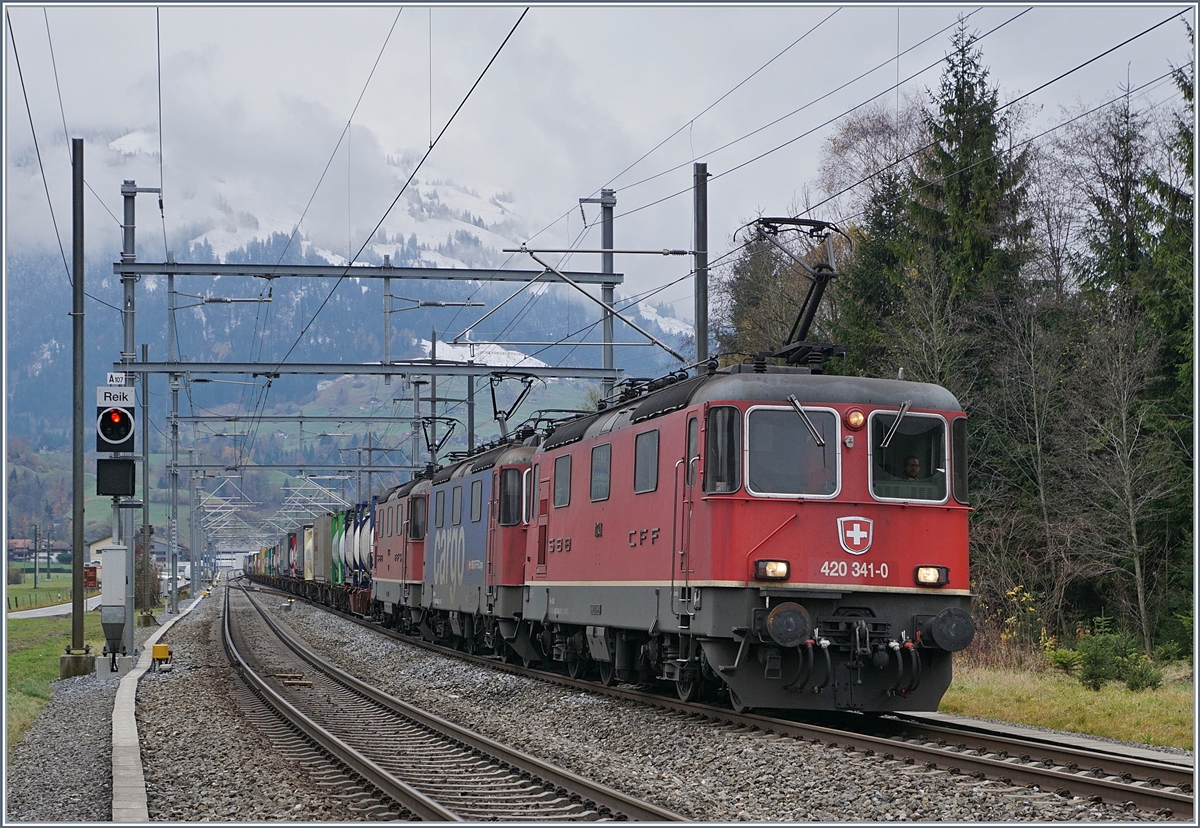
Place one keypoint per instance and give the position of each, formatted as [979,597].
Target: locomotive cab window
[693,450]
[456,506]
[416,518]
[562,481]
[958,439]
[645,462]
[912,466]
[601,471]
[785,458]
[723,439]
[510,497]
[476,500]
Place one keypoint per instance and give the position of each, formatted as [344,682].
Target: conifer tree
[968,190]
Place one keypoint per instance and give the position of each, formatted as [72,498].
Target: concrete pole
[77,495]
[700,199]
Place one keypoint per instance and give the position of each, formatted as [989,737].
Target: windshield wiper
[820,441]
[887,438]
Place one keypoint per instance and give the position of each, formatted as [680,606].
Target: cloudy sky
[255,99]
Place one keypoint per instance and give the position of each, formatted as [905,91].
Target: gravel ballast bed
[204,760]
[691,767]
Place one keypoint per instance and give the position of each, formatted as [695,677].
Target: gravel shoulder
[688,766]
[204,760]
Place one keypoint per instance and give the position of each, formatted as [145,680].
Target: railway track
[1100,774]
[406,760]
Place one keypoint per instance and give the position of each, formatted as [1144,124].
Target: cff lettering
[638,537]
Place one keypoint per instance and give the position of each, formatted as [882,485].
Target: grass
[54,587]
[32,662]
[1162,717]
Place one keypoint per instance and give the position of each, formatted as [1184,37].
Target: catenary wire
[820,98]
[256,340]
[37,149]
[1010,103]
[396,200]
[1160,79]
[533,299]
[765,126]
[994,111]
[62,112]
[158,56]
[810,131]
[958,21]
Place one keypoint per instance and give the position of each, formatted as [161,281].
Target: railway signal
[115,426]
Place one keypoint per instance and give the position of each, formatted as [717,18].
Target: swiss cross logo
[855,533]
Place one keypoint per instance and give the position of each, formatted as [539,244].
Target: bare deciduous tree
[1128,468]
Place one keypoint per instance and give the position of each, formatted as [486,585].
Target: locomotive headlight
[855,419]
[933,575]
[771,570]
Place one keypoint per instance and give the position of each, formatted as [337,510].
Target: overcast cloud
[254,100]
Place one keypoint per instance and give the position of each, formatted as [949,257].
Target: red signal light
[114,427]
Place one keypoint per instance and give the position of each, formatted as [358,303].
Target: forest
[1046,280]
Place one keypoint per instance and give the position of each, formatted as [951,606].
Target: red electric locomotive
[790,538]
[798,540]
[399,549]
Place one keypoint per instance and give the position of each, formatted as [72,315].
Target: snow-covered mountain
[438,222]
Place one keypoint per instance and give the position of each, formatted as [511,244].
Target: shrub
[1142,675]
[1168,651]
[1104,657]
[1065,660]
[16,575]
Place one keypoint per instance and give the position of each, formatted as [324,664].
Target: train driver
[912,467]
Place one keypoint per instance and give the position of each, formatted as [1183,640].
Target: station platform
[129,781]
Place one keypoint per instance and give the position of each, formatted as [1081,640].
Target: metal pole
[77,496]
[416,424]
[470,410]
[197,532]
[433,398]
[387,319]
[147,602]
[128,318]
[608,200]
[173,532]
[700,199]
[35,556]
[173,528]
